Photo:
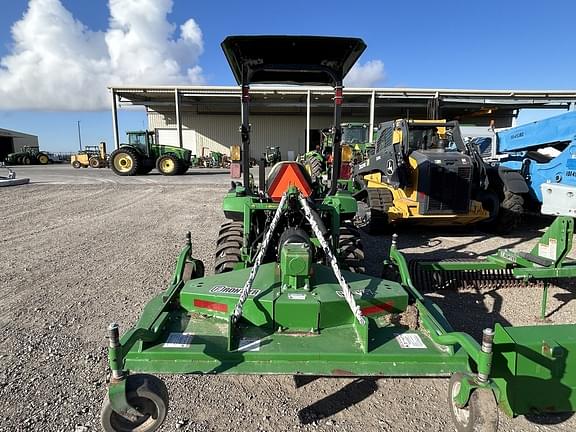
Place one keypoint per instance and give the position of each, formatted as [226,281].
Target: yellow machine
[93,156]
[423,172]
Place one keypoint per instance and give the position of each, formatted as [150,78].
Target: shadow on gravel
[195,173]
[548,419]
[347,396]
[466,310]
[421,238]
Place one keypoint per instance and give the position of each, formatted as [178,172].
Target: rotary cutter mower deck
[289,295]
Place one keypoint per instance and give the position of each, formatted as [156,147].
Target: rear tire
[509,216]
[94,162]
[351,249]
[228,247]
[314,168]
[125,161]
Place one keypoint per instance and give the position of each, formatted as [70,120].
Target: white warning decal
[409,340]
[178,340]
[223,289]
[296,296]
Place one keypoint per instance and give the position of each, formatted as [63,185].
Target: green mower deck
[292,332]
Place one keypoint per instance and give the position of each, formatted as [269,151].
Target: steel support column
[372,103]
[178,117]
[115,121]
[307,122]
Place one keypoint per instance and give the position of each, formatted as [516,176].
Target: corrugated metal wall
[218,132]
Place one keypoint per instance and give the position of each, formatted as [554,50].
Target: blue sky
[451,44]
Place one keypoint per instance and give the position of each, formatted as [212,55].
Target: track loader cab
[422,172]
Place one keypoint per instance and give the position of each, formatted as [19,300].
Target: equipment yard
[83,248]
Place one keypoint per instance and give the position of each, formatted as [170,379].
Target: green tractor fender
[181,153]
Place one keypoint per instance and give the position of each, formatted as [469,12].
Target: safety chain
[259,257]
[333,262]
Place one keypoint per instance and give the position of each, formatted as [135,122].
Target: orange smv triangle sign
[290,175]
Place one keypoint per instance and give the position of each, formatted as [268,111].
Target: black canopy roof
[312,60]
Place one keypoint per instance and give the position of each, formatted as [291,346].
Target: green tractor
[357,136]
[28,156]
[289,294]
[140,155]
[355,147]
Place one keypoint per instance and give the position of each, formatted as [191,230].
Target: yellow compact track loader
[423,172]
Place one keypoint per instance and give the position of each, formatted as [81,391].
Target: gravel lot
[73,258]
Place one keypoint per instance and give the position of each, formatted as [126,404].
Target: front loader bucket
[534,368]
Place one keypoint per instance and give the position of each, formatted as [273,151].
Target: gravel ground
[75,258]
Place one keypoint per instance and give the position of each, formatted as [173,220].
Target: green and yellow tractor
[289,294]
[141,154]
[28,156]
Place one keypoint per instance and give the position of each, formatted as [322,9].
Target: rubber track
[379,200]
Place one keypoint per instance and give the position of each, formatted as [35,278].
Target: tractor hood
[312,60]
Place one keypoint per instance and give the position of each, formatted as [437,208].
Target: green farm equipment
[547,263]
[141,154]
[354,147]
[28,156]
[357,136]
[289,294]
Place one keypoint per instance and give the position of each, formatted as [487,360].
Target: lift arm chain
[258,260]
[333,262]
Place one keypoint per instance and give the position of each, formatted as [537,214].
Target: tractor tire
[94,162]
[76,164]
[378,201]
[168,165]
[314,168]
[351,251]
[509,214]
[125,161]
[26,160]
[42,158]
[228,247]
[183,168]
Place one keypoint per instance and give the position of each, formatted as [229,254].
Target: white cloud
[57,63]
[367,75]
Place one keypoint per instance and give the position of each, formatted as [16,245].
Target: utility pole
[79,136]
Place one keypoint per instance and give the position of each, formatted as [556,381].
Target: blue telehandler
[544,152]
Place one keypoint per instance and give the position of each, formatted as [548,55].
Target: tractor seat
[283,175]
